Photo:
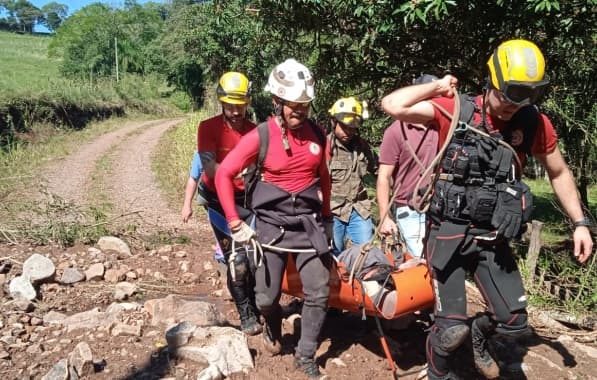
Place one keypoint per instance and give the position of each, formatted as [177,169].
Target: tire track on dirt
[132,187]
[71,177]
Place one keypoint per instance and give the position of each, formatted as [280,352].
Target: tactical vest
[474,167]
[347,168]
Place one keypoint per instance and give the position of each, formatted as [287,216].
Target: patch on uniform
[320,195]
[314,148]
[517,137]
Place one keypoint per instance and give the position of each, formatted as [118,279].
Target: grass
[172,159]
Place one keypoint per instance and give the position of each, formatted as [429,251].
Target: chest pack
[255,171]
[478,173]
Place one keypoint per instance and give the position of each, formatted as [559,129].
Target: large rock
[124,290]
[111,243]
[58,372]
[38,269]
[20,287]
[173,309]
[223,347]
[71,276]
[95,272]
[89,319]
[81,359]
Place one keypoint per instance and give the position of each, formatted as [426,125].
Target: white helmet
[291,81]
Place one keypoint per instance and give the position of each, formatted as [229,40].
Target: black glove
[507,217]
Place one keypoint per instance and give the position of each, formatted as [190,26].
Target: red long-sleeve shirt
[292,170]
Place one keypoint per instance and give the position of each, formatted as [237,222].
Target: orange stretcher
[413,292]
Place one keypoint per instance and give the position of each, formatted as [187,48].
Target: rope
[422,204]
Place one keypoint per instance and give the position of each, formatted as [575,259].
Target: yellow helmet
[348,111]
[234,88]
[517,70]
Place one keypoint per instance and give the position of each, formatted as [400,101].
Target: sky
[75,5]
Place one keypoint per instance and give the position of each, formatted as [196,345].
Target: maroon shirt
[394,151]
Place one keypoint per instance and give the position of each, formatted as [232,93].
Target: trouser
[241,285]
[358,229]
[314,271]
[496,275]
[411,225]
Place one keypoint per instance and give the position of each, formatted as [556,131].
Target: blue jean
[358,230]
[411,225]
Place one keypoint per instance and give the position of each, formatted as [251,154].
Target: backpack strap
[263,131]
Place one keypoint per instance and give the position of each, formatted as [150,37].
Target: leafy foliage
[88,40]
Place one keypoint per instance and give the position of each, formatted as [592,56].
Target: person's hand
[388,227]
[583,243]
[507,217]
[241,232]
[186,213]
[446,86]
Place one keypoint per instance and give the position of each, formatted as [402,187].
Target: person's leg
[500,283]
[268,288]
[314,271]
[411,225]
[359,230]
[449,329]
[339,235]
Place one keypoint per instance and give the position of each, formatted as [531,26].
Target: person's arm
[189,194]
[206,148]
[565,189]
[239,158]
[408,103]
[384,178]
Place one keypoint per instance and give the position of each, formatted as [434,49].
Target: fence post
[534,249]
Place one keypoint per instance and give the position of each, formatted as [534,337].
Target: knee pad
[447,339]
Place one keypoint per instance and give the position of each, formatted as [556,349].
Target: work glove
[507,217]
[328,227]
[243,233]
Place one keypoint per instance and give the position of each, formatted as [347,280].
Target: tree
[86,40]
[217,37]
[54,15]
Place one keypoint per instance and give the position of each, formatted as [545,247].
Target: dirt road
[349,349]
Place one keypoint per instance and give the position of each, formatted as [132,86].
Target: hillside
[33,91]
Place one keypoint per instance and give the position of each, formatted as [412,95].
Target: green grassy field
[28,74]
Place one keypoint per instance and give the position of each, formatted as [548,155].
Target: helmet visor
[350,119]
[523,93]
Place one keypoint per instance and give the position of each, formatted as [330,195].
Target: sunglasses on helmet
[294,105]
[523,93]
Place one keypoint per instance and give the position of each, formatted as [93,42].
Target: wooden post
[534,248]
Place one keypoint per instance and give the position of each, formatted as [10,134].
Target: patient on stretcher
[375,275]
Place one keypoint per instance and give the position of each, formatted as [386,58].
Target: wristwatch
[586,222]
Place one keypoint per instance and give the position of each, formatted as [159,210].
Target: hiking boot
[249,322]
[270,343]
[448,376]
[484,362]
[308,365]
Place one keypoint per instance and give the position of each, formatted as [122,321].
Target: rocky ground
[117,310]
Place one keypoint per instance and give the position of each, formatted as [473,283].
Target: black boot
[249,321]
[447,376]
[272,331]
[308,365]
[482,328]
